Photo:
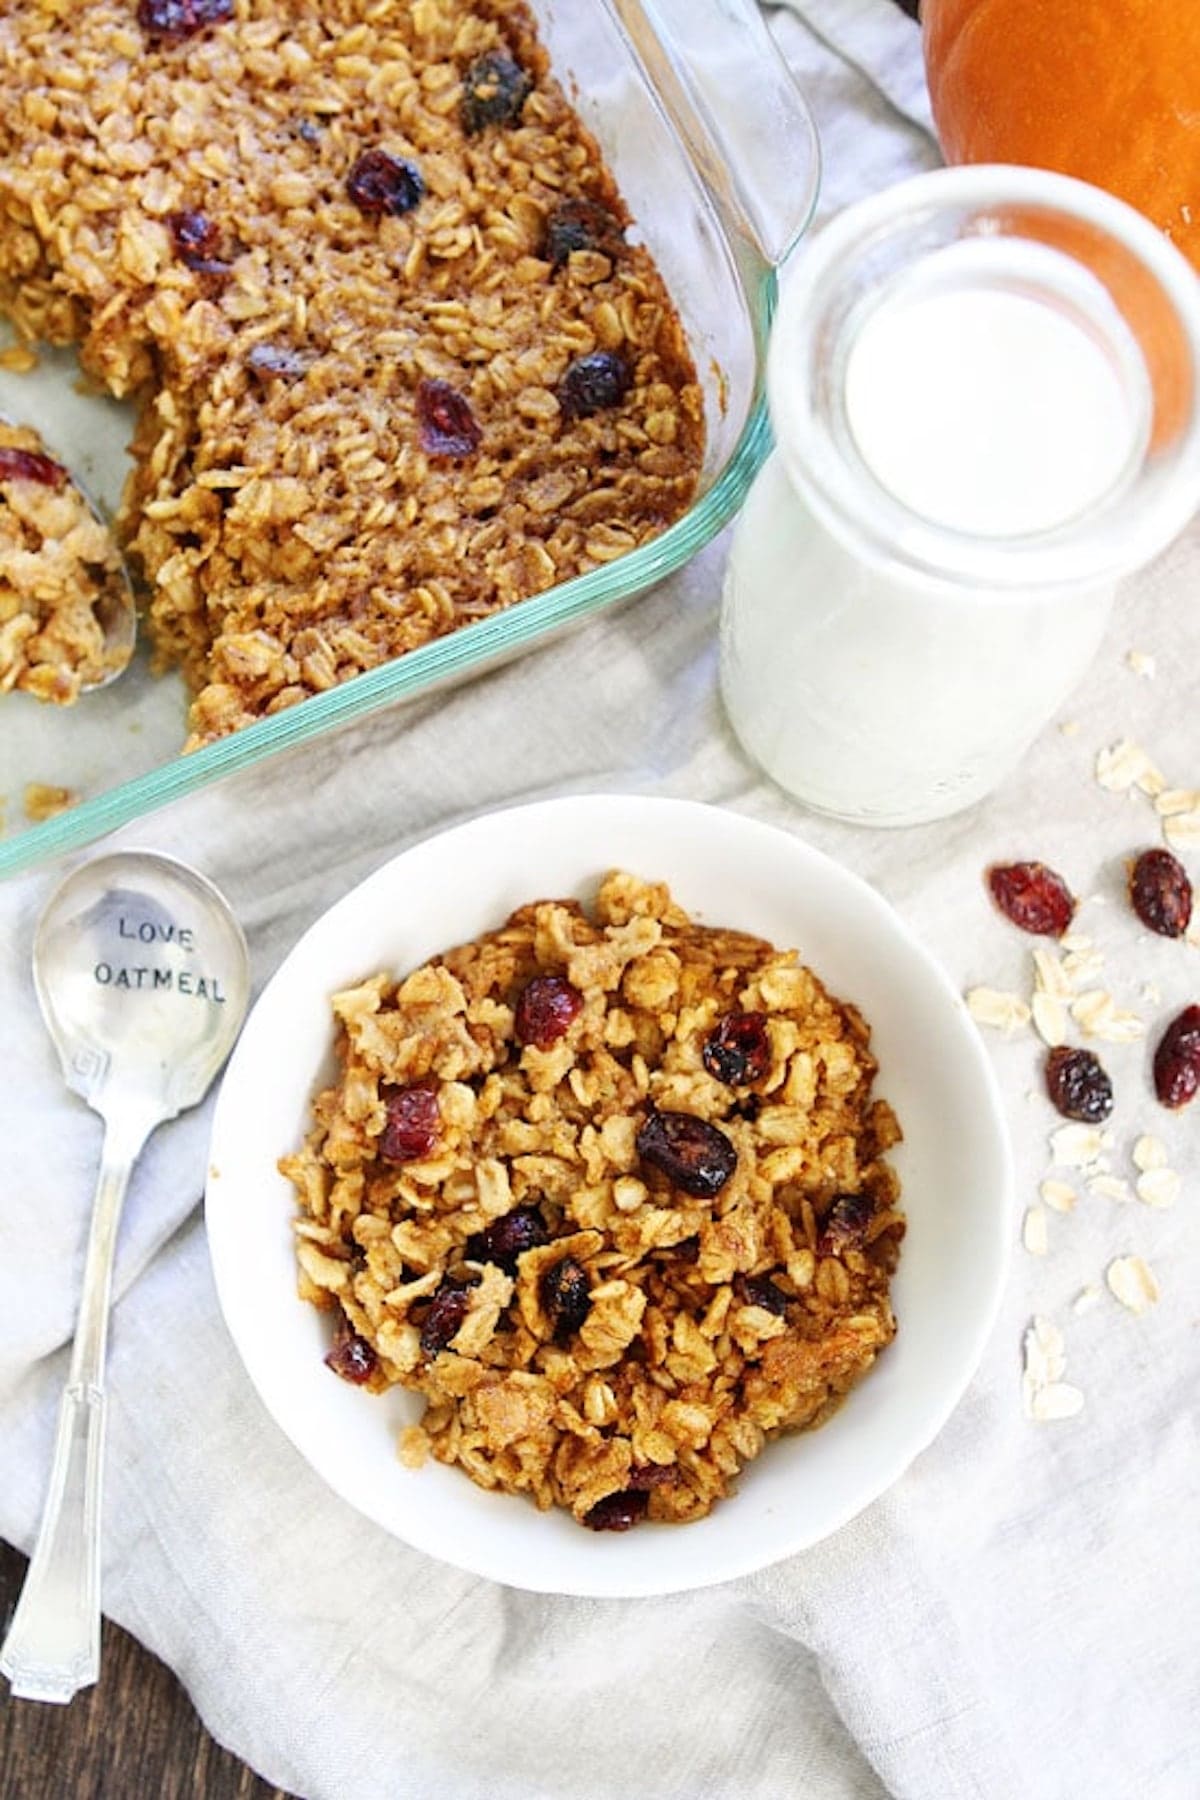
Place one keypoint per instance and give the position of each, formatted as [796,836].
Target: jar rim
[822,306]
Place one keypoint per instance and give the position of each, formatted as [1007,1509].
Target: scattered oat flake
[1177,800]
[1082,965]
[1050,1018]
[1086,1299]
[1099,1016]
[1110,1187]
[1142,663]
[1152,993]
[1076,940]
[1079,1146]
[991,1006]
[1150,1153]
[1045,1352]
[18,359]
[1182,830]
[1125,765]
[1059,1196]
[1070,728]
[45,802]
[1132,1282]
[1033,1232]
[1159,1187]
[1058,1401]
[1050,975]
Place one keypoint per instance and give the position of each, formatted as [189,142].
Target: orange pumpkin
[1108,90]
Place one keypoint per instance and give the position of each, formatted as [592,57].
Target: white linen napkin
[1016,1618]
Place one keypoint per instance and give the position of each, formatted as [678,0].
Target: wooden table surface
[135,1736]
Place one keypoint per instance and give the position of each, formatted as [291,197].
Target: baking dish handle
[735,103]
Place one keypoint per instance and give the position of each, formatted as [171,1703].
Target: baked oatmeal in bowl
[602,1201]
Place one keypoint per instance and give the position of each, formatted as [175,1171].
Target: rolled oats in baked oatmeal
[609,1191]
[60,575]
[367,276]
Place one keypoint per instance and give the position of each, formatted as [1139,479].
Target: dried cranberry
[175,20]
[1160,893]
[738,1049]
[379,183]
[1177,1060]
[594,383]
[651,1476]
[447,1310]
[31,465]
[760,1290]
[351,1356]
[691,1153]
[197,242]
[845,1223]
[495,88]
[566,1295]
[618,1512]
[413,1124]
[1033,897]
[504,1240]
[578,225]
[546,1008]
[447,425]
[1079,1085]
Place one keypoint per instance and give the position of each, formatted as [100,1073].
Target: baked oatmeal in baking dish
[610,1192]
[398,363]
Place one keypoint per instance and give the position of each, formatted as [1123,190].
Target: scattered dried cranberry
[176,20]
[1160,893]
[546,1008]
[351,1356]
[618,1512]
[504,1240]
[760,1290]
[447,1310]
[447,425]
[738,1049]
[845,1223]
[691,1153]
[1177,1060]
[1079,1085]
[31,465]
[578,225]
[379,183]
[594,383]
[269,360]
[197,242]
[413,1124]
[495,88]
[1033,897]
[567,1296]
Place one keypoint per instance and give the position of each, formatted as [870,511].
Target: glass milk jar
[983,385]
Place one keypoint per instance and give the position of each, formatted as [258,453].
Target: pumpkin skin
[1108,90]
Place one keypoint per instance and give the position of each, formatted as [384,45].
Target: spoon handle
[53,1645]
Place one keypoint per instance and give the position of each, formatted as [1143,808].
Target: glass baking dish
[715,152]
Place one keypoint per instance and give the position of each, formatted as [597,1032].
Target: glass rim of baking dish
[735,160]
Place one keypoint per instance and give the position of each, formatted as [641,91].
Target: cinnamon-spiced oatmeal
[61,579]
[367,276]
[610,1192]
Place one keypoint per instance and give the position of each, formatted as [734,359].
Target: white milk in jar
[972,450]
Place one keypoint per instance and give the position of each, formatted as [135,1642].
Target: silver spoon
[116,607]
[143,978]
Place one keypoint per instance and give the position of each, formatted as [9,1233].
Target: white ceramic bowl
[954,1164]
